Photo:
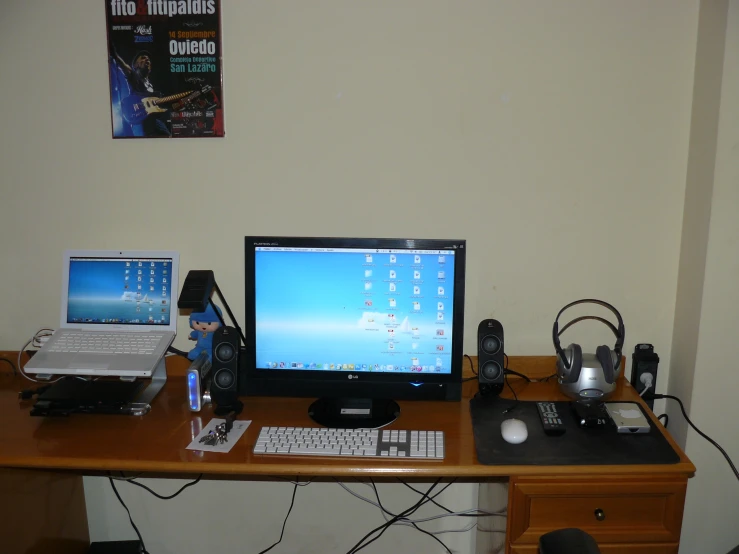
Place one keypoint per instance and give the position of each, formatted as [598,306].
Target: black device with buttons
[550,418]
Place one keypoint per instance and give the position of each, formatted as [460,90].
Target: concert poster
[165,66]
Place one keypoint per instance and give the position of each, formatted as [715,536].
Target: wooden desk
[643,504]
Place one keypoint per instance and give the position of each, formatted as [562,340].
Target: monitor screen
[354,317]
[119,291]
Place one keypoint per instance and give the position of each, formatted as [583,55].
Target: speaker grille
[490,344]
[224,378]
[225,352]
[491,370]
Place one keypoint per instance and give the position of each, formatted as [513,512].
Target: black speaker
[225,369]
[490,362]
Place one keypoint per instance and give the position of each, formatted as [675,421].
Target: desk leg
[491,531]
[42,511]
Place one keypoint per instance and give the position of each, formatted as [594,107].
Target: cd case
[628,417]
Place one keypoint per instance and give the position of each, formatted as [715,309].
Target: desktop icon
[416,275]
[367,285]
[440,306]
[392,303]
[416,306]
[368,258]
[392,274]
[393,259]
[440,347]
[416,290]
[441,275]
[368,273]
[440,316]
[440,332]
[442,259]
[440,291]
[368,303]
[392,287]
[416,259]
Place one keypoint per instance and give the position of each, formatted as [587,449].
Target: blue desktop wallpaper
[115,291]
[355,311]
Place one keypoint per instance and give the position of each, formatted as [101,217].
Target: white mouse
[514,431]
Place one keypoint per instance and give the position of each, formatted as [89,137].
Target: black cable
[451,512]
[667,419]
[447,510]
[385,526]
[701,433]
[170,497]
[413,523]
[515,396]
[177,351]
[118,496]
[472,367]
[290,509]
[15,371]
[517,374]
[402,516]
[26,394]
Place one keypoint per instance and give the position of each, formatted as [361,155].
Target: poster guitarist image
[164,61]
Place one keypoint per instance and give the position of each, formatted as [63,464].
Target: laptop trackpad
[91,361]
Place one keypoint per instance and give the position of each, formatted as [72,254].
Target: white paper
[238,429]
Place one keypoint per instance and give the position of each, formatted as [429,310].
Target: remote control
[550,418]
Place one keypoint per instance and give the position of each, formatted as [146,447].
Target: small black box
[115,547]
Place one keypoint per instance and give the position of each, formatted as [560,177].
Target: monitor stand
[354,413]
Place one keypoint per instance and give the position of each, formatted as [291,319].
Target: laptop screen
[128,291]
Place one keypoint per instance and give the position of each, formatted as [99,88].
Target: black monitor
[356,322]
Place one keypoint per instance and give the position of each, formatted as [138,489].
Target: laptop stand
[101,396]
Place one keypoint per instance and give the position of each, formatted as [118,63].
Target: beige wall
[554,137]
[710,514]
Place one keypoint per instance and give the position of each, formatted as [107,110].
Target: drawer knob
[600,515]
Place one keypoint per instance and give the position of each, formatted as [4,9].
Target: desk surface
[157,442]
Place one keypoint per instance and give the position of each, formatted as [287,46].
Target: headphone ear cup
[603,353]
[573,353]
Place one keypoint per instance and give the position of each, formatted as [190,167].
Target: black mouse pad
[577,446]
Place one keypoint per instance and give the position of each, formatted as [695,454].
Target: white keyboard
[360,443]
[106,343]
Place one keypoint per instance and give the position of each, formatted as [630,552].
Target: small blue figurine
[203,326]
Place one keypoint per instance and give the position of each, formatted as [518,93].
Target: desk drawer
[613,509]
[612,549]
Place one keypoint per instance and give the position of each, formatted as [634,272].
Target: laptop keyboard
[106,343]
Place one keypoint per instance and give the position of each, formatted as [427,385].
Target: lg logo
[350,376]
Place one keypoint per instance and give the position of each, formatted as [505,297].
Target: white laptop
[118,314]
